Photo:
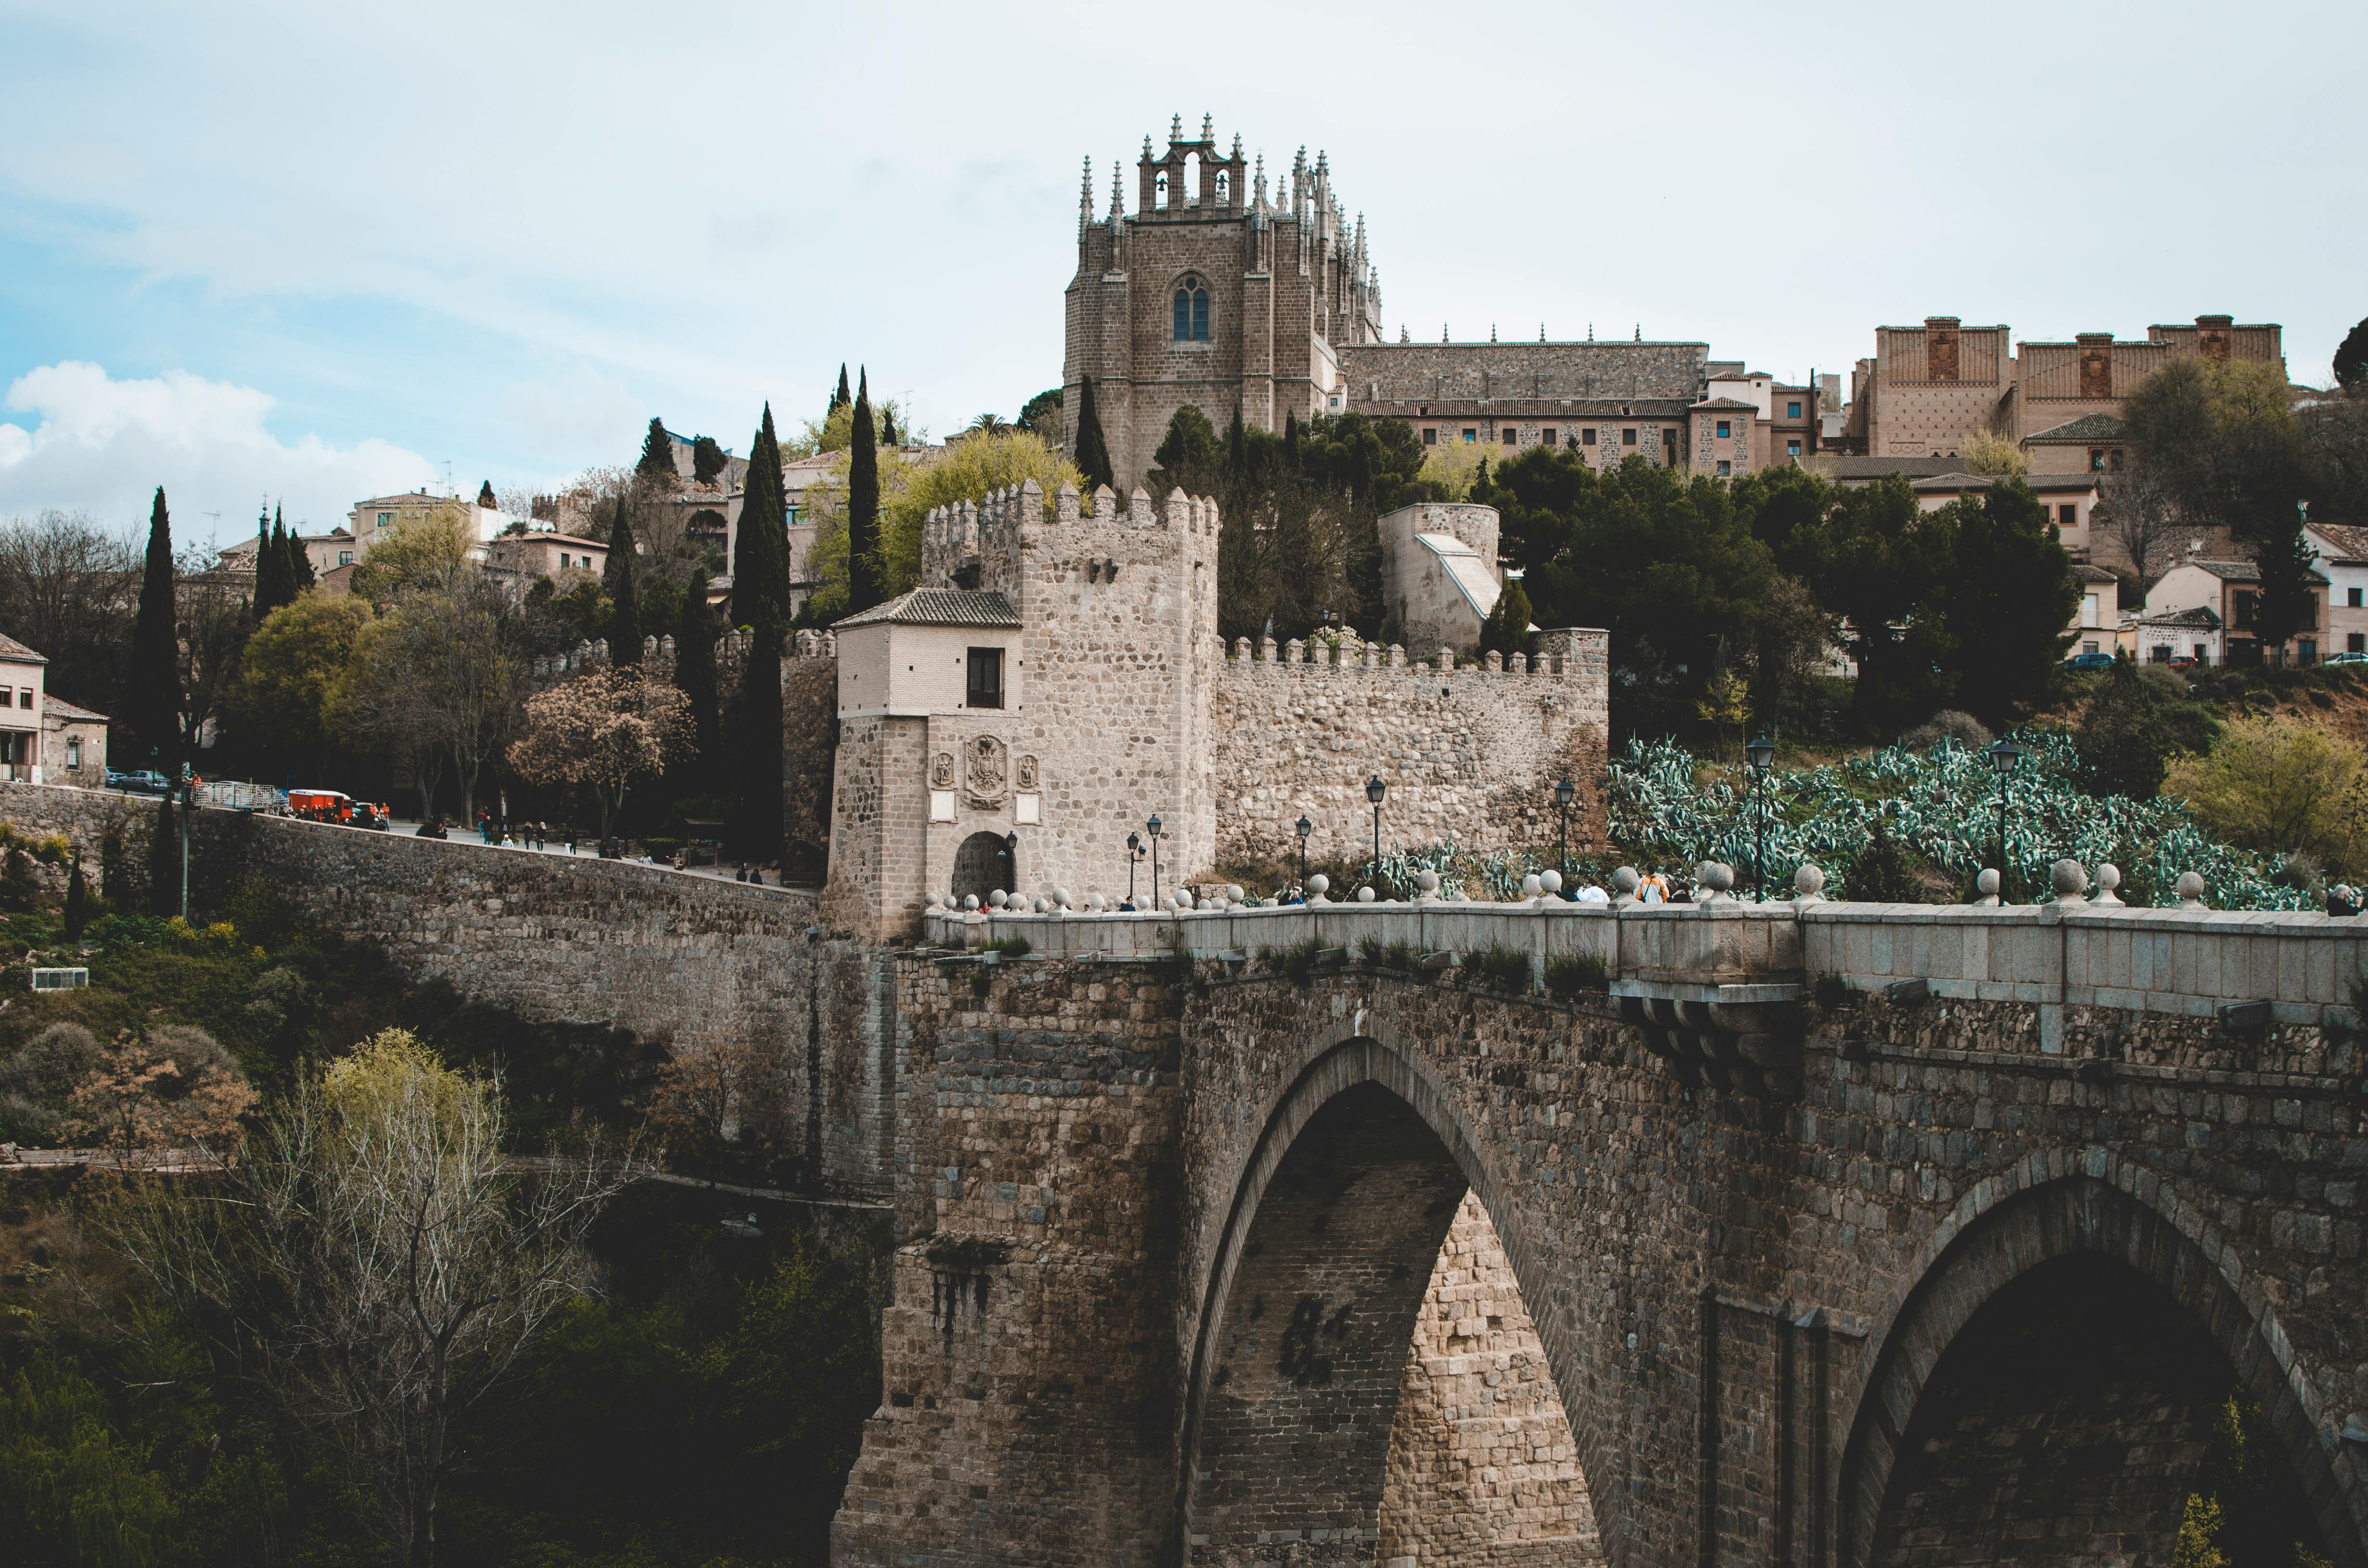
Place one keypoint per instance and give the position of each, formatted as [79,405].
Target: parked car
[143,782]
[2345,659]
[2187,662]
[2082,663]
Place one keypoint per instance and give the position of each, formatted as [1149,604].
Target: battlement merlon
[1569,652]
[988,544]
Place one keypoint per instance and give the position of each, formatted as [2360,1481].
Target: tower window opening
[1192,311]
[1159,191]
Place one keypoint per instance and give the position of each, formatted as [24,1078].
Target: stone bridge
[1809,1234]
[1850,1233]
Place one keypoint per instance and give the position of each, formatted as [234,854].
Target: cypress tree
[1093,451]
[485,497]
[266,571]
[863,585]
[77,902]
[1238,447]
[299,564]
[617,578]
[694,673]
[164,862]
[760,564]
[1290,442]
[840,398]
[887,427]
[657,454]
[756,827]
[155,688]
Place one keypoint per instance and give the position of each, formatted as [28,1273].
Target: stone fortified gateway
[1949,1264]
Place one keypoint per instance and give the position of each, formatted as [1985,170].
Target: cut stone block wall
[1483,1470]
[1470,754]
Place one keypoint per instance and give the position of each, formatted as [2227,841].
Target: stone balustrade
[2190,961]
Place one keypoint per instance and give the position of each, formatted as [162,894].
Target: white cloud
[105,445]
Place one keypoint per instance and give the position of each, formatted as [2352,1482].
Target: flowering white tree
[604,730]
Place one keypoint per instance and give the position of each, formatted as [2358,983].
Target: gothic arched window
[1191,311]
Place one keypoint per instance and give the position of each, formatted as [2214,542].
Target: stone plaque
[1027,810]
[941,805]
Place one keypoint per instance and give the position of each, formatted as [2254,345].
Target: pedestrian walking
[570,841]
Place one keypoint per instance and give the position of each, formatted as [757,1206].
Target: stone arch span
[2082,1224]
[1308,1305]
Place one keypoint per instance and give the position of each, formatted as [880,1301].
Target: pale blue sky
[250,247]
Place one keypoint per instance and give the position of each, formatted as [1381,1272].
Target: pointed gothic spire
[1086,188]
[1590,332]
[1175,131]
[1492,332]
[1259,185]
[1542,332]
[1402,333]
[1238,146]
[1443,331]
[1117,209]
[1640,332]
[1208,128]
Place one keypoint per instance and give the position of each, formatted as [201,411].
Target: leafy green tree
[707,460]
[2278,785]
[1189,456]
[657,464]
[617,575]
[1507,630]
[760,568]
[1882,563]
[485,497]
[155,688]
[863,574]
[1041,414]
[1883,872]
[968,470]
[1537,496]
[2008,602]
[1092,454]
[292,661]
[2351,359]
[2125,745]
[1669,567]
[71,1489]
[77,910]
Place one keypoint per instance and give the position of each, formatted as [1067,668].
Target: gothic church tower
[1212,293]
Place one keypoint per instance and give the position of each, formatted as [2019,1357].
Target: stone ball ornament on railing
[2108,877]
[1550,882]
[1986,884]
[1624,884]
[1317,885]
[997,899]
[1365,894]
[1427,883]
[1533,885]
[1809,885]
[1715,875]
[2190,889]
[1060,899]
[970,900]
[2069,878]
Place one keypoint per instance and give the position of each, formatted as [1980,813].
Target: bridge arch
[1324,1257]
[2063,1228]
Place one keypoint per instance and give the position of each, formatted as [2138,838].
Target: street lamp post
[1374,791]
[1134,853]
[2004,756]
[1563,793]
[1152,827]
[1011,854]
[1304,828]
[1760,754]
[188,800]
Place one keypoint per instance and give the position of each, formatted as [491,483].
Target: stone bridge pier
[1842,1235]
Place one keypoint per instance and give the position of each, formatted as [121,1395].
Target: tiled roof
[2088,427]
[1846,469]
[1944,481]
[938,607]
[2089,573]
[12,649]
[2197,620]
[2350,542]
[2239,570]
[1726,403]
[2060,481]
[72,713]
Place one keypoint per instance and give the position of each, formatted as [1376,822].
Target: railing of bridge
[2300,967]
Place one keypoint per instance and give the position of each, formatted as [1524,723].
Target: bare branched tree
[375,1263]
[2136,510]
[66,588]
